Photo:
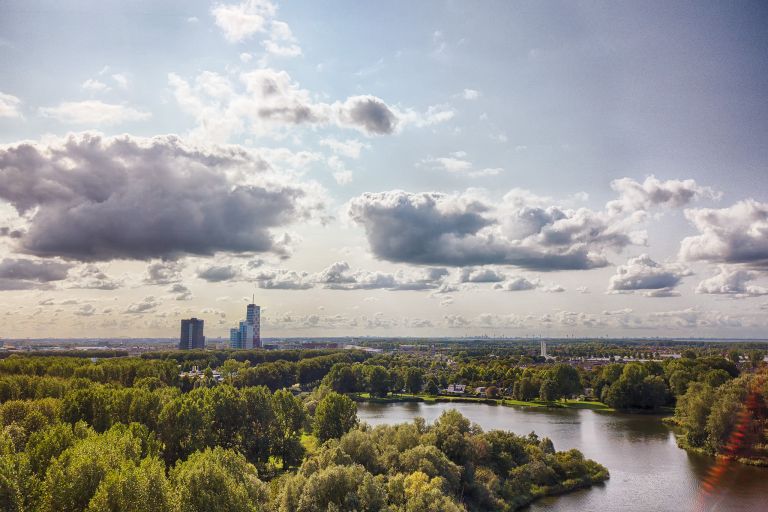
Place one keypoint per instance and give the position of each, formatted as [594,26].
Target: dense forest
[128,434]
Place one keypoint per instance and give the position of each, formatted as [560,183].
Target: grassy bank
[404,398]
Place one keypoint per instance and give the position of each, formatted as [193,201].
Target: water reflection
[648,471]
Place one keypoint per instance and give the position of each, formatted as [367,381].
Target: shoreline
[506,402]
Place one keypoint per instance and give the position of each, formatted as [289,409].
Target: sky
[434,168]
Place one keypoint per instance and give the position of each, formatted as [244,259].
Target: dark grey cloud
[164,272]
[33,270]
[92,198]
[180,292]
[218,273]
[736,235]
[642,273]
[438,229]
[369,113]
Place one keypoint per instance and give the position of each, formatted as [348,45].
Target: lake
[648,471]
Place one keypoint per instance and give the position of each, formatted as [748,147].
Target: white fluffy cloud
[265,100]
[516,284]
[242,20]
[457,163]
[9,106]
[732,281]
[737,234]
[652,192]
[94,112]
[642,273]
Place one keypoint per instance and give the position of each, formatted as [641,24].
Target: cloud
[481,275]
[92,278]
[642,273]
[92,198]
[243,20]
[516,284]
[281,279]
[94,85]
[121,80]
[737,234]
[265,100]
[341,174]
[146,305]
[180,292]
[9,106]
[94,112]
[432,228]
[470,94]
[85,310]
[218,273]
[23,274]
[653,192]
[349,148]
[281,42]
[164,272]
[732,281]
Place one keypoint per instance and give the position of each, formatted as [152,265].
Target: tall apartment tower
[247,335]
[543,348]
[191,334]
[253,319]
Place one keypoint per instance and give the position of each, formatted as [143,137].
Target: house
[456,389]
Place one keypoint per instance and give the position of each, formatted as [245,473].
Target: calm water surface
[648,471]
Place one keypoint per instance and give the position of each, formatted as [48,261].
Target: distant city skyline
[435,168]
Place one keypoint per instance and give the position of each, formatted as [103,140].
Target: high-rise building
[248,334]
[253,318]
[543,348]
[191,334]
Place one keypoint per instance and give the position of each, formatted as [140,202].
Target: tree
[414,380]
[378,381]
[131,488]
[217,479]
[432,387]
[335,415]
[549,390]
[567,380]
[287,427]
[341,378]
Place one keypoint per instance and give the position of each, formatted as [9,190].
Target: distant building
[191,334]
[248,334]
[456,389]
[543,349]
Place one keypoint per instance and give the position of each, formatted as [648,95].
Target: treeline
[215,358]
[728,418]
[635,385]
